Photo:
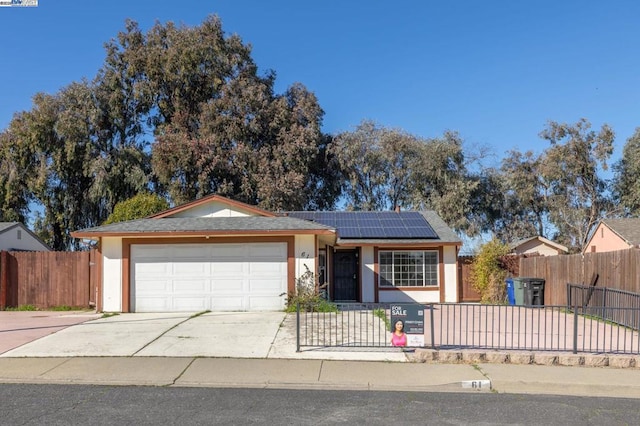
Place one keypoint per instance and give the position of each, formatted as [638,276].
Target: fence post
[433,340]
[298,327]
[4,280]
[575,330]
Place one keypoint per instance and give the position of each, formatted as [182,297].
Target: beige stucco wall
[604,239]
[112,274]
[305,252]
[536,246]
[213,209]
[450,259]
[367,275]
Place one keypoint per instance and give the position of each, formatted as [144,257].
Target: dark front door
[345,275]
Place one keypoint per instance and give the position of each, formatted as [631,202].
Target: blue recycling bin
[511,294]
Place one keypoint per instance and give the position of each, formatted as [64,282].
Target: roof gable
[529,243]
[29,241]
[213,206]
[628,229]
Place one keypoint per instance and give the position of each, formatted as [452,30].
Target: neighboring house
[218,254]
[614,234]
[14,236]
[539,245]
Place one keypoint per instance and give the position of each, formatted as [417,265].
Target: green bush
[137,207]
[487,274]
[307,297]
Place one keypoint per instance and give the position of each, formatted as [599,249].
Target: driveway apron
[18,328]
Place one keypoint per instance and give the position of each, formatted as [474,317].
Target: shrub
[137,207]
[487,274]
[307,296]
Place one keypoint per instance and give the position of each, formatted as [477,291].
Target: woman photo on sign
[398,337]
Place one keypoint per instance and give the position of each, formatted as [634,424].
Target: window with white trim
[408,268]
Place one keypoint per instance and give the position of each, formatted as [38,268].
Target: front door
[345,276]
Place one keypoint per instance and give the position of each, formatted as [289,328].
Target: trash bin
[533,291]
[511,296]
[518,291]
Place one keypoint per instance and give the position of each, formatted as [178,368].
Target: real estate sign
[412,315]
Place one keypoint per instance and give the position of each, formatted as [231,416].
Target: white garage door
[217,277]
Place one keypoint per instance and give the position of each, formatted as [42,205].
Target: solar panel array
[373,225]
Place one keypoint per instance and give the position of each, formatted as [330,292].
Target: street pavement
[257,350]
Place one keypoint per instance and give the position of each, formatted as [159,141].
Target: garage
[216,277]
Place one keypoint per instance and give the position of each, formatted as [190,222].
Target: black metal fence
[617,306]
[473,326]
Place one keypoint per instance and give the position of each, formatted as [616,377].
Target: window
[19,234]
[408,268]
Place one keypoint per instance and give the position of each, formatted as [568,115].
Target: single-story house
[614,234]
[14,236]
[219,254]
[539,245]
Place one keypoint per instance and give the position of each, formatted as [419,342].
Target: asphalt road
[102,405]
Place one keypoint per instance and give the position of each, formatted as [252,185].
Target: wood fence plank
[49,279]
[618,269]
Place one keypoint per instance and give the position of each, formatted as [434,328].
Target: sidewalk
[323,375]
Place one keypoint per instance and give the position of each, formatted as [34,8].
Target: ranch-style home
[222,255]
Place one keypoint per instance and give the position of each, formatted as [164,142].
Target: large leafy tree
[626,187]
[222,129]
[384,168]
[15,164]
[441,180]
[524,198]
[577,196]
[55,143]
[192,98]
[376,164]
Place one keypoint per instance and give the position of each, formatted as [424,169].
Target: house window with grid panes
[408,268]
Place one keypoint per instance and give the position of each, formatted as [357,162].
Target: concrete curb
[432,356]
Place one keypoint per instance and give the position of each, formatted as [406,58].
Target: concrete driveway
[213,334]
[238,335]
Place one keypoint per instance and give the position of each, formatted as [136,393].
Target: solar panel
[373,225]
[349,232]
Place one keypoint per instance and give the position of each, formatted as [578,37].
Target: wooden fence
[48,279]
[465,291]
[615,269]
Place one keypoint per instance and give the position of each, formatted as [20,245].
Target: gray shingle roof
[6,225]
[628,229]
[195,224]
[445,234]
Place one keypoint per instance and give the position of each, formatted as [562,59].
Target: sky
[495,71]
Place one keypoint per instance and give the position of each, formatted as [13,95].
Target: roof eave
[395,243]
[201,233]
